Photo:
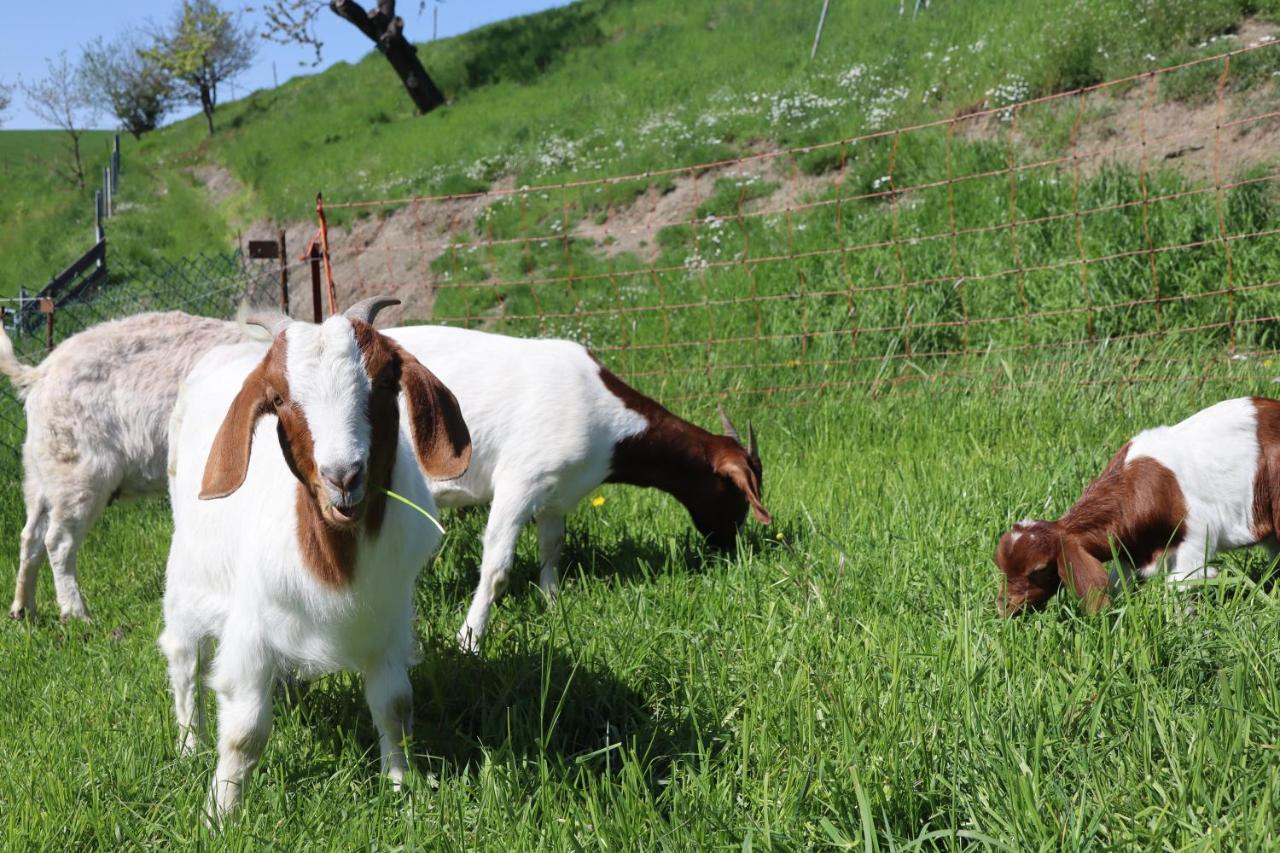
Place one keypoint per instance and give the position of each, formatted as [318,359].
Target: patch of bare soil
[1138,129]
[382,254]
[632,228]
[219,184]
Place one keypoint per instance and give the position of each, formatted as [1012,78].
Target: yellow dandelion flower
[597,501]
[779,536]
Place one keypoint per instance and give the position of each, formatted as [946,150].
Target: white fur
[543,428]
[97,428]
[235,572]
[1214,456]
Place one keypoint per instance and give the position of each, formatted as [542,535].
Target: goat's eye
[278,401]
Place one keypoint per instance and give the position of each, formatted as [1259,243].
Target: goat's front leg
[506,517]
[390,698]
[242,677]
[550,546]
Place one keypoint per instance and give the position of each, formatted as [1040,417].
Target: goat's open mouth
[343,515]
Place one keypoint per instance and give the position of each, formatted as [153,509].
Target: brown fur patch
[1266,482]
[1135,507]
[713,476]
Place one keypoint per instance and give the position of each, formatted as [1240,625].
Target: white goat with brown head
[550,423]
[285,548]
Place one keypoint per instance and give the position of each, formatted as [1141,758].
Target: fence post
[115,163]
[97,217]
[106,189]
[46,308]
[284,275]
[315,280]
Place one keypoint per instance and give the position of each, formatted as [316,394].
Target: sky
[34,31]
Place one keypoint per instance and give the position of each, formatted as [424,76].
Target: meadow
[843,681]
[924,368]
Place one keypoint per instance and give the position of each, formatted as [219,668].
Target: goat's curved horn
[728,425]
[273,321]
[367,309]
[753,449]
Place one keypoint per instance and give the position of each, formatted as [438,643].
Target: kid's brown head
[1036,558]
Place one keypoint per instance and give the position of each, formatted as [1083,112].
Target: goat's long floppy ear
[747,482]
[228,461]
[440,436]
[1084,573]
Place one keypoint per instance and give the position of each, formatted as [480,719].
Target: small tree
[6,98]
[294,22]
[62,100]
[127,81]
[202,48]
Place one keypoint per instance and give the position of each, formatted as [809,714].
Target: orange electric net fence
[1139,213]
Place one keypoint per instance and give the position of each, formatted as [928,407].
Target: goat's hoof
[469,642]
[21,613]
[71,613]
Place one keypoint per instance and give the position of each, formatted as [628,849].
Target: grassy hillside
[606,87]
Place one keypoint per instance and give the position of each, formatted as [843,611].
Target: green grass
[843,681]
[843,678]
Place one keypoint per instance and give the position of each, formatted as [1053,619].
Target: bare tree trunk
[75,157]
[386,30]
[206,105]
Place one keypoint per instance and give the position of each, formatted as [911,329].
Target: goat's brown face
[1028,556]
[334,389]
[738,486]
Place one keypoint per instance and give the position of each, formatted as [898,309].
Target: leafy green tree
[131,84]
[203,47]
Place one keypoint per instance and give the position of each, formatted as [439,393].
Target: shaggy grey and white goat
[97,429]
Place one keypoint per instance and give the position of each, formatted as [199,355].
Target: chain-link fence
[211,285]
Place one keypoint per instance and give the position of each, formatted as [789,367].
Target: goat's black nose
[345,478]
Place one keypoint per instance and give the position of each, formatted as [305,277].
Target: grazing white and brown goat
[1170,499]
[286,549]
[97,430]
[550,424]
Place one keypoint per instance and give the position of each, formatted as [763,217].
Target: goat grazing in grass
[1170,499]
[550,424]
[286,549]
[97,429]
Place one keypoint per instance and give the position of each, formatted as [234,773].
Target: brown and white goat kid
[285,548]
[1173,497]
[549,424]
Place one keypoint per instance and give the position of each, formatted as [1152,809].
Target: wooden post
[284,275]
[115,163]
[46,308]
[106,190]
[97,216]
[315,280]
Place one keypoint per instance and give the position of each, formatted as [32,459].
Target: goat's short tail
[21,375]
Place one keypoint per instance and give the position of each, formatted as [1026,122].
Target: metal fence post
[106,189]
[98,233]
[115,163]
[284,275]
[315,280]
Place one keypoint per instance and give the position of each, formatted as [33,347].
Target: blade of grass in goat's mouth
[408,502]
